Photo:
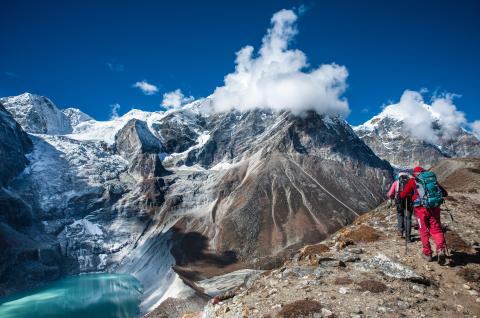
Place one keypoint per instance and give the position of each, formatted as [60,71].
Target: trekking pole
[444,236]
[389,209]
[405,226]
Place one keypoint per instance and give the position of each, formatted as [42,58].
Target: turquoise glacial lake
[86,296]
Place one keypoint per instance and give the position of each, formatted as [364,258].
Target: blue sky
[89,54]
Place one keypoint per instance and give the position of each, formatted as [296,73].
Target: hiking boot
[428,258]
[441,258]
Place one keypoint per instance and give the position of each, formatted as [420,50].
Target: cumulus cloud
[175,99]
[146,88]
[475,126]
[279,78]
[114,108]
[428,122]
[449,117]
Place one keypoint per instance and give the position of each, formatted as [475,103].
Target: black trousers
[404,222]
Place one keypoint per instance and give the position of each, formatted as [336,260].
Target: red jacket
[411,190]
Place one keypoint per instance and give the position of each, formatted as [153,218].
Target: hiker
[427,196]
[404,206]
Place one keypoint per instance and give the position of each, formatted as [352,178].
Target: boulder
[390,268]
[221,284]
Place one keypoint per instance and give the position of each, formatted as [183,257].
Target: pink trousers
[429,225]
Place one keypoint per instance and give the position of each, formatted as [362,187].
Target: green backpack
[429,192]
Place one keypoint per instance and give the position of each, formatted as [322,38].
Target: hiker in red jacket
[428,219]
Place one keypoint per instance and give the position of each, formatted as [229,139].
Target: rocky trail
[364,270]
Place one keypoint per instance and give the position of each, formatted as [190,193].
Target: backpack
[402,181]
[429,192]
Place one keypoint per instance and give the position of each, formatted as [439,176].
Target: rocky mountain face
[388,138]
[204,191]
[26,252]
[298,179]
[14,145]
[37,114]
[76,116]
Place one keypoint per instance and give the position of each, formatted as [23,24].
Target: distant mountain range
[386,135]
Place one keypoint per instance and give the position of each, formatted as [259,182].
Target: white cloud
[278,77]
[114,110]
[175,99]
[146,88]
[428,122]
[449,117]
[475,126]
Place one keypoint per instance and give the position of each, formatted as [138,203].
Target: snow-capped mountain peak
[395,114]
[416,137]
[37,114]
[76,116]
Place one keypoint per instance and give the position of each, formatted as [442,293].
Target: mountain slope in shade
[386,135]
[27,255]
[14,145]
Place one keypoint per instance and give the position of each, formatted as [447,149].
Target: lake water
[90,296]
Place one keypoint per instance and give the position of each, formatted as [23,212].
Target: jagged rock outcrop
[135,138]
[146,165]
[140,147]
[37,114]
[14,145]
[76,116]
[178,131]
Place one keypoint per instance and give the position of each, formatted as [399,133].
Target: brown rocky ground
[366,270]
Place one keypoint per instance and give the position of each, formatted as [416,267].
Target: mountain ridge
[387,136]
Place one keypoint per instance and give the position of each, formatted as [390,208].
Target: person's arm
[409,189]
[391,192]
